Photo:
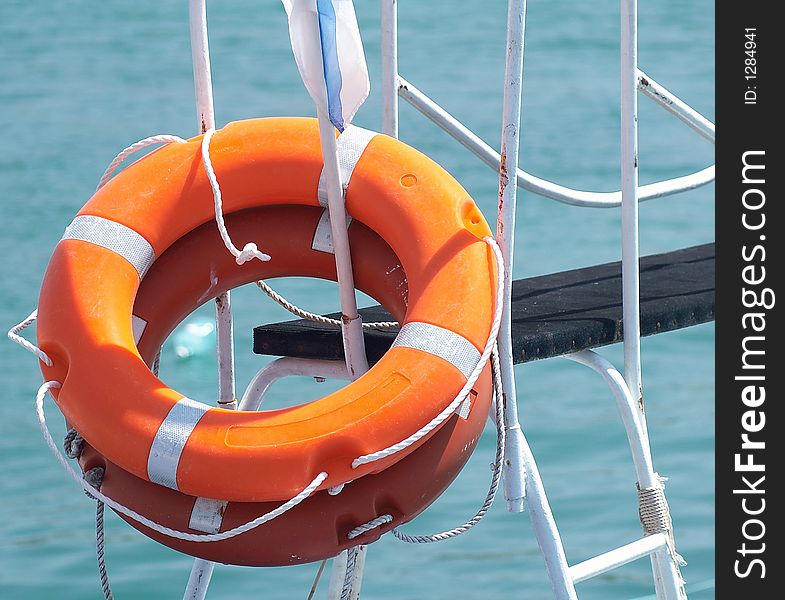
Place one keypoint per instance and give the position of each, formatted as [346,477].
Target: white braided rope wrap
[131,514]
[13,335]
[170,439]
[441,342]
[655,516]
[250,250]
[653,510]
[350,146]
[372,524]
[323,235]
[115,237]
[453,406]
[136,146]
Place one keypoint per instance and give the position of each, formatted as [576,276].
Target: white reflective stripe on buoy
[113,236]
[441,342]
[207,515]
[170,440]
[138,325]
[351,145]
[323,236]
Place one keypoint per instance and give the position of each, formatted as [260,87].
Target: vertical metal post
[202,570]
[389,86]
[667,581]
[518,460]
[545,529]
[351,323]
[514,474]
[630,254]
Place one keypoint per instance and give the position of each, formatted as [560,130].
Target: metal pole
[662,564]
[618,557]
[629,202]
[389,87]
[532,183]
[389,43]
[545,529]
[202,570]
[514,475]
[351,323]
[676,106]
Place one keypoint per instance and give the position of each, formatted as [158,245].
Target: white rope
[493,488]
[131,514]
[13,335]
[148,141]
[125,153]
[372,524]
[495,477]
[250,250]
[304,314]
[453,406]
[100,550]
[348,579]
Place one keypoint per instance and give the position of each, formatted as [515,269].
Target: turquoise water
[79,81]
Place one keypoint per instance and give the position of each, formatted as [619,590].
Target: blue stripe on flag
[332,70]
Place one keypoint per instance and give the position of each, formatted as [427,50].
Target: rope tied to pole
[304,314]
[655,516]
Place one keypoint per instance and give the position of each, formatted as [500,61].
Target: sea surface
[81,80]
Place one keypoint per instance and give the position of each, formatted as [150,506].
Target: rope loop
[73,443]
[497,465]
[136,146]
[250,250]
[372,524]
[13,335]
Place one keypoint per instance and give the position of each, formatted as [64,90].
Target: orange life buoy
[318,527]
[148,429]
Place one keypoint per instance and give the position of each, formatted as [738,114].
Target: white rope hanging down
[250,250]
[13,335]
[501,436]
[131,514]
[450,409]
[136,146]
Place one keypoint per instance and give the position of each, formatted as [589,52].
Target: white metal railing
[626,389]
[521,466]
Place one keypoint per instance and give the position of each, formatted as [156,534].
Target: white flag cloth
[329,54]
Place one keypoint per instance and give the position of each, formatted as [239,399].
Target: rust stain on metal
[503,174]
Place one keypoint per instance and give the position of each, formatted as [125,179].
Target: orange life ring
[154,432]
[318,527]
